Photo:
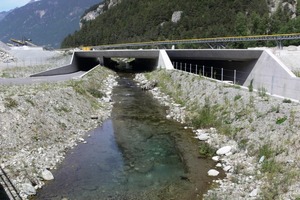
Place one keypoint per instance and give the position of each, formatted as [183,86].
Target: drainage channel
[136,154]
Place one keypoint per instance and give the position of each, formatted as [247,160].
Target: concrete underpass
[260,67]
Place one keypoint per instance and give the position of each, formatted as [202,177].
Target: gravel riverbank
[258,132]
[39,123]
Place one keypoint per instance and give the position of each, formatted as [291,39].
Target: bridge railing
[237,77]
[276,37]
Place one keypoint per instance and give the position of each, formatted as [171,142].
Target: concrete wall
[271,74]
[164,61]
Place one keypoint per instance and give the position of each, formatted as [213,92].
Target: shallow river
[136,154]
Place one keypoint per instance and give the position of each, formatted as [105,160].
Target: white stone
[227,168]
[224,150]
[254,193]
[216,158]
[176,16]
[203,137]
[28,189]
[213,172]
[47,175]
[228,154]
[261,159]
[219,165]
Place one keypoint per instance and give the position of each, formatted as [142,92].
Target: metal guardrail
[278,38]
[9,188]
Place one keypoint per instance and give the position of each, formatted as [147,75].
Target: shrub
[287,101]
[10,102]
[205,150]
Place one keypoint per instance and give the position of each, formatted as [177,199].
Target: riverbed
[136,154]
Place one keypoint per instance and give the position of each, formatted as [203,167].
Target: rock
[227,168]
[219,165]
[94,117]
[202,137]
[254,193]
[149,85]
[224,150]
[261,159]
[47,175]
[28,189]
[176,16]
[213,172]
[216,158]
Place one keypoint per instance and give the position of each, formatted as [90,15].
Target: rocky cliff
[290,6]
[97,10]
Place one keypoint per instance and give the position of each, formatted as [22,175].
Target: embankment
[40,122]
[261,130]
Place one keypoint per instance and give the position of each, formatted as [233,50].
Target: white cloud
[6,5]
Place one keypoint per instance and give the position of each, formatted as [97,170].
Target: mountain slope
[45,21]
[134,21]
[3,14]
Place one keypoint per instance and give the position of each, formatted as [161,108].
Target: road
[41,79]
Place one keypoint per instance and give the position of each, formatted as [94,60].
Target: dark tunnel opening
[136,65]
[85,63]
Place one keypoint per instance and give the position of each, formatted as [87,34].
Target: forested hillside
[144,20]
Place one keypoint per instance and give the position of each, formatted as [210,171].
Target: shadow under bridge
[118,60]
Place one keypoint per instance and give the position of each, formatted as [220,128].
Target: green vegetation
[205,150]
[250,86]
[287,101]
[136,21]
[281,120]
[10,102]
[262,92]
[237,97]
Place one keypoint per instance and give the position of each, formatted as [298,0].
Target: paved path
[41,79]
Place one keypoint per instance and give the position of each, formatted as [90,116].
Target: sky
[6,5]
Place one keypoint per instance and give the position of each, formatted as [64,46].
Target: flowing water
[137,154]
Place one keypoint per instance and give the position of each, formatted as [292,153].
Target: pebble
[28,189]
[202,137]
[213,172]
[261,159]
[47,175]
[227,168]
[224,150]
[219,165]
[254,193]
[216,158]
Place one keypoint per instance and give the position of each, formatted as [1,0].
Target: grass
[297,73]
[262,92]
[281,120]
[205,150]
[250,86]
[10,103]
[237,97]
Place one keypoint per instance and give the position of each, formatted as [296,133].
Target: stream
[136,154]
